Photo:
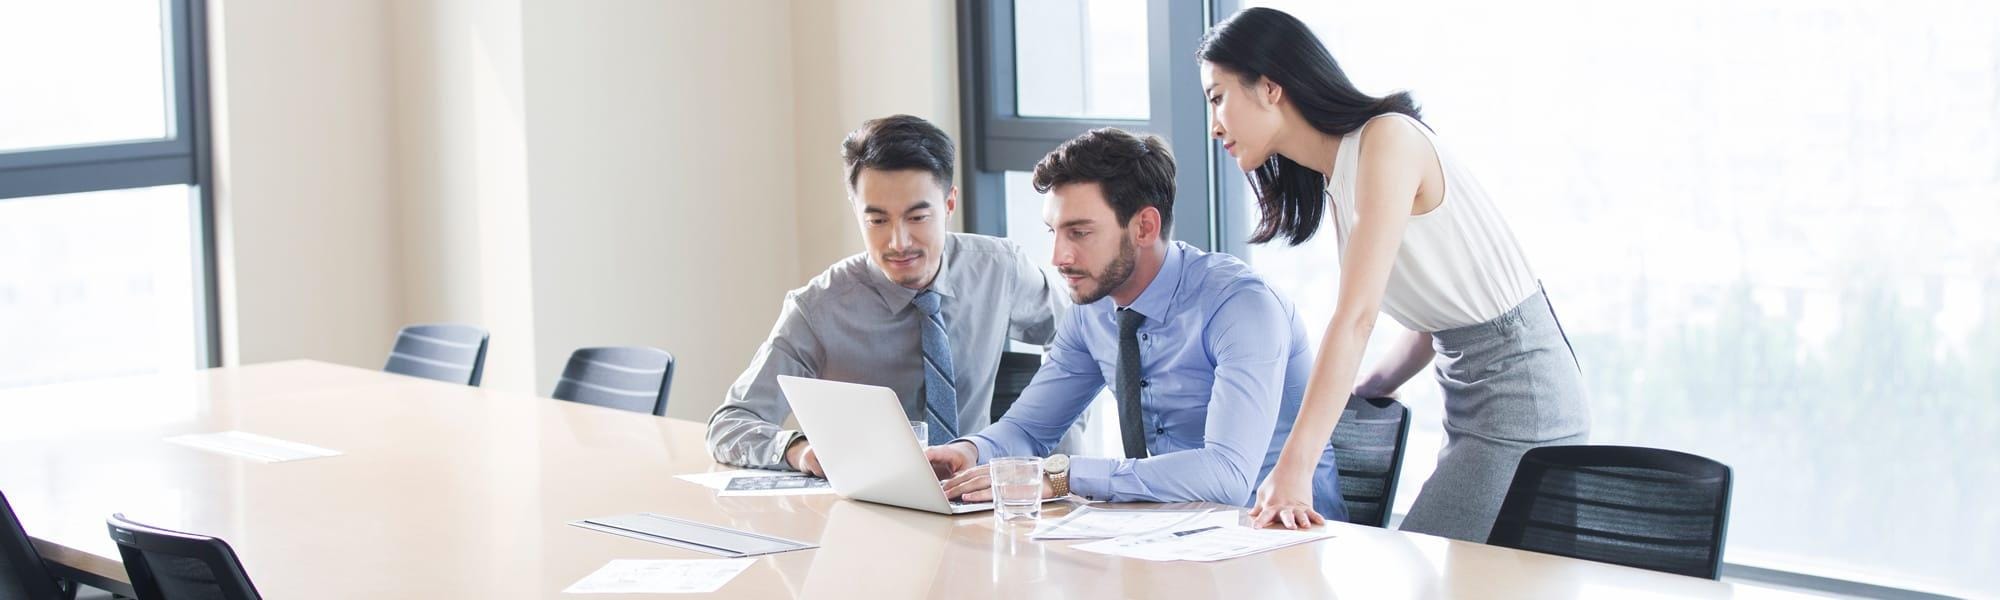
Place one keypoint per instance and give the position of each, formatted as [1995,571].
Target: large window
[1771,229]
[104,255]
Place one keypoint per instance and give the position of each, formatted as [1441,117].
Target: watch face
[1056,464]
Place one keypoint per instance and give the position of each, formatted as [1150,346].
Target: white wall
[565,173]
[462,176]
[660,146]
[306,225]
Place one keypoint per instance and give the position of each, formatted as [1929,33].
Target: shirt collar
[1157,301]
[895,297]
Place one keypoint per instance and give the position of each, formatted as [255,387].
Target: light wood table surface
[448,491]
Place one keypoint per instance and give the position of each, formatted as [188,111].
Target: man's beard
[1114,274]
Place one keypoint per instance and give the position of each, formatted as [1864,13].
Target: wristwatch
[1056,467]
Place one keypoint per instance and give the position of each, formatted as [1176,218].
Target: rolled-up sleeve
[1242,414]
[745,430]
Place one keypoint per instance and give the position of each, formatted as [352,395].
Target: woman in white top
[1420,241]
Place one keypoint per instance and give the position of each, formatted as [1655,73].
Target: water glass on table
[1017,488]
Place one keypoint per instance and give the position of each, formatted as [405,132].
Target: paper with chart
[759,482]
[780,485]
[252,446]
[1091,523]
[1205,543]
[660,576]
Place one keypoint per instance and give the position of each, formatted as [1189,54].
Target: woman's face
[1242,115]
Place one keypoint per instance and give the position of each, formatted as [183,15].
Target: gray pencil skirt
[1510,384]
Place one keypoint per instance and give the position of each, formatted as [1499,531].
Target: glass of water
[923,431]
[1017,488]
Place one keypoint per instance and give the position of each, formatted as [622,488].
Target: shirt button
[1145,383]
[1161,431]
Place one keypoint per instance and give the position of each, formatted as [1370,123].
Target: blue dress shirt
[1224,363]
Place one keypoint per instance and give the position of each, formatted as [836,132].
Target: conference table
[447,491]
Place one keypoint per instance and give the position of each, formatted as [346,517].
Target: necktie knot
[930,302]
[1129,321]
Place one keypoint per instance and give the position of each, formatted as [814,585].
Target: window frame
[995,138]
[183,157]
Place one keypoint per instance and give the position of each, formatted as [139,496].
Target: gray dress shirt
[853,324]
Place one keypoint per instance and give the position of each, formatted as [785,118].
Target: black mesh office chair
[632,378]
[448,353]
[1016,370]
[1368,443]
[170,565]
[22,573]
[1639,507]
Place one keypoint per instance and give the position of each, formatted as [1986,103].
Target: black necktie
[1128,383]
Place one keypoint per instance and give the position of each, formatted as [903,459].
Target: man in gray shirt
[924,311]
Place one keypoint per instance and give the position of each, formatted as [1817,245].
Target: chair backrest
[1016,370]
[633,378]
[444,352]
[1639,507]
[170,565]
[1368,444]
[22,573]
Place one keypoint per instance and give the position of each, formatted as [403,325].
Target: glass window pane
[1769,228]
[81,72]
[96,284]
[1081,58]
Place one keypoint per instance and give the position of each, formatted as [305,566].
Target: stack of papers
[759,482]
[251,446]
[1090,523]
[1205,543]
[660,576]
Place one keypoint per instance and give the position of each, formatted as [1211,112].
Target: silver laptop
[864,442]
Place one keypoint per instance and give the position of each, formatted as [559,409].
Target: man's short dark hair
[898,143]
[1134,172]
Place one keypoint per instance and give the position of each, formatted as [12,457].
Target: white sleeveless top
[1459,264]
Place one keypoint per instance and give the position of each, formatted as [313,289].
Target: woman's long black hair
[1256,43]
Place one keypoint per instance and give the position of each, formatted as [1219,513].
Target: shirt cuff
[985,446]
[1090,476]
[780,443]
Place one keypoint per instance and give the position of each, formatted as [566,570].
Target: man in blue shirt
[1208,364]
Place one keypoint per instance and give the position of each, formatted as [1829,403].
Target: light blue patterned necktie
[940,395]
